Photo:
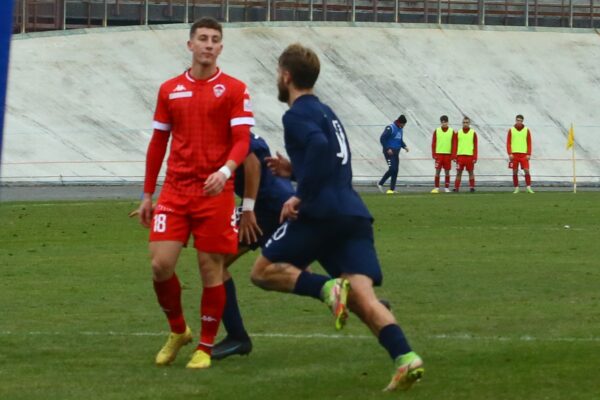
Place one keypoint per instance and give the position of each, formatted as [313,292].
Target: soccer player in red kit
[441,151]
[518,147]
[207,115]
[465,154]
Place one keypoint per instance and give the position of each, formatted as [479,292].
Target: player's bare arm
[249,229]
[216,181]
[279,165]
[290,209]
[145,210]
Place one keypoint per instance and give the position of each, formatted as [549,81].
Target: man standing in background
[392,141]
[466,154]
[441,152]
[518,147]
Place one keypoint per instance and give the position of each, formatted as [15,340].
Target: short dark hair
[206,22]
[303,65]
[467,118]
[519,116]
[444,118]
[401,119]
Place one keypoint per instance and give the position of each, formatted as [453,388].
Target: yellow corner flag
[571,138]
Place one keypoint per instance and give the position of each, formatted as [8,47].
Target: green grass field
[497,295]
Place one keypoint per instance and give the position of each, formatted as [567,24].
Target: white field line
[62,203]
[463,336]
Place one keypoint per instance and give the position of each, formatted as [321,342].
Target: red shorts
[465,162]
[519,159]
[210,219]
[443,161]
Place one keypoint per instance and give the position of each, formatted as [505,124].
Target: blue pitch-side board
[6,12]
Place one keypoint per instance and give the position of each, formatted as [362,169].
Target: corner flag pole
[6,15]
[574,173]
[571,145]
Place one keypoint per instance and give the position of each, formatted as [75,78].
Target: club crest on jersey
[219,90]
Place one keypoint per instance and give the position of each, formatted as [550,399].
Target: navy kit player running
[326,220]
[263,196]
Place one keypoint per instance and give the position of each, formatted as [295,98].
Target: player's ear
[286,76]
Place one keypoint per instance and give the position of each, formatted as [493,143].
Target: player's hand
[290,209]
[511,157]
[406,149]
[474,161]
[528,157]
[279,165]
[144,211]
[249,229]
[215,183]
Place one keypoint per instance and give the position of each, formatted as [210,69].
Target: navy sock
[232,318]
[392,339]
[309,284]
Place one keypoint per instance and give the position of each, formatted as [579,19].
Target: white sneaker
[381,188]
[447,190]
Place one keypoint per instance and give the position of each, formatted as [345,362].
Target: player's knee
[161,270]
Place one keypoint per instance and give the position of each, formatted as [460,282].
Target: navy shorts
[267,220]
[342,245]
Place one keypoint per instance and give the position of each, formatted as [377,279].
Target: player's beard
[284,93]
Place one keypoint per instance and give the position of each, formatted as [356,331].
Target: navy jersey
[319,152]
[273,190]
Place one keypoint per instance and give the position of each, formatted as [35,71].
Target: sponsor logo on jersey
[179,95]
[219,90]
[179,88]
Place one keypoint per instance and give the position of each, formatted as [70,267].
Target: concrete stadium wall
[80,103]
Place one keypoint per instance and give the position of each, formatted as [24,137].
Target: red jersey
[200,115]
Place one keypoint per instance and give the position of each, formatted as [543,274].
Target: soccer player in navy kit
[326,220]
[263,195]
